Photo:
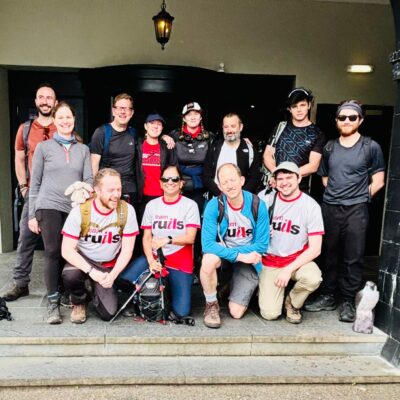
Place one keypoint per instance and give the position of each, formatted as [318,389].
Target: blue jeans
[180,284]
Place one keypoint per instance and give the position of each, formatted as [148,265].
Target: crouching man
[296,239]
[234,235]
[98,241]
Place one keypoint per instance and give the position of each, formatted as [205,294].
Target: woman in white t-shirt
[170,222]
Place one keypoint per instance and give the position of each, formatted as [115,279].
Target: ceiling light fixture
[360,69]
[163,25]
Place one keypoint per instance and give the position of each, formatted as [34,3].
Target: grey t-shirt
[348,172]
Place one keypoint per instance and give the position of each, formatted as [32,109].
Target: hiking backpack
[86,210]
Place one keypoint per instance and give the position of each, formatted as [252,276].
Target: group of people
[196,198]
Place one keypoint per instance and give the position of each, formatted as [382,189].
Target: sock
[210,297]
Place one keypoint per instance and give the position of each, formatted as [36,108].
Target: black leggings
[51,223]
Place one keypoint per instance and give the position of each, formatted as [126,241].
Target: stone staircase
[251,350]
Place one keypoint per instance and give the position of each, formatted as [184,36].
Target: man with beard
[232,149]
[352,171]
[298,140]
[40,129]
[98,247]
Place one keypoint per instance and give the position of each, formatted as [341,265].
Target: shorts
[243,282]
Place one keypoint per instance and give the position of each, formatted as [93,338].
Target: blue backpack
[108,134]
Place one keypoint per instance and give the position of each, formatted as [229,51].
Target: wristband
[169,239]
[90,270]
[23,185]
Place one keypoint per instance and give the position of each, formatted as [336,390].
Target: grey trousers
[27,242]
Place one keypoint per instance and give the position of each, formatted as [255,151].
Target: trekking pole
[161,259]
[138,288]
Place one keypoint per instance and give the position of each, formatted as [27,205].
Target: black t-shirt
[348,172]
[120,156]
[296,143]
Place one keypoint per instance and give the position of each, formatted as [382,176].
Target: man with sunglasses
[40,129]
[352,171]
[298,140]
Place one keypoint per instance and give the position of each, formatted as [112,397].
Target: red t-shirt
[37,134]
[152,169]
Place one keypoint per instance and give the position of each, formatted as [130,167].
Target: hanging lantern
[163,25]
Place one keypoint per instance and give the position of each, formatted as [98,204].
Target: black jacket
[167,157]
[252,173]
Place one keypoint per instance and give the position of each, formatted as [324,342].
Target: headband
[299,90]
[353,106]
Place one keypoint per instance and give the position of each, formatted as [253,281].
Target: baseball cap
[191,107]
[155,117]
[288,166]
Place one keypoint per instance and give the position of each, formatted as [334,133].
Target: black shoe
[16,292]
[324,302]
[129,311]
[65,300]
[347,312]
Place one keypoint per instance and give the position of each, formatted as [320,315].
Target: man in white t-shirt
[101,253]
[296,239]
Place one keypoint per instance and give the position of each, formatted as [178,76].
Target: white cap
[288,166]
[191,107]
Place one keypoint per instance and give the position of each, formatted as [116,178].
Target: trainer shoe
[16,292]
[293,314]
[211,315]
[53,313]
[324,302]
[78,314]
[65,300]
[347,312]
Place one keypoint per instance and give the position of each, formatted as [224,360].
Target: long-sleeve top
[54,168]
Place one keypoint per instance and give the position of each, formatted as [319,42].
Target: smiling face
[64,121]
[230,182]
[192,119]
[170,187]
[299,111]
[232,127]
[348,127]
[287,183]
[45,101]
[153,128]
[122,112]
[108,191]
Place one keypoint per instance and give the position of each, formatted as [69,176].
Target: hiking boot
[324,302]
[129,311]
[65,300]
[293,314]
[211,315]
[16,292]
[53,310]
[78,314]
[347,312]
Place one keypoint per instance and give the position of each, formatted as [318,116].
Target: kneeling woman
[170,222]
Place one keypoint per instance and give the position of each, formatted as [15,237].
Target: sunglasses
[174,179]
[351,118]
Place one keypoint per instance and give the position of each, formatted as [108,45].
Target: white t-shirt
[227,155]
[103,242]
[293,221]
[240,231]
[171,219]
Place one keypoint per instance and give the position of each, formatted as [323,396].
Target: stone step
[189,345]
[130,370]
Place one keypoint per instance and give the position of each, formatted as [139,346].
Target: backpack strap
[85,209]
[221,209]
[255,203]
[132,132]
[275,137]
[122,215]
[271,208]
[251,154]
[328,148]
[366,146]
[107,138]
[25,135]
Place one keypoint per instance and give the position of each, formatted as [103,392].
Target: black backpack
[152,299]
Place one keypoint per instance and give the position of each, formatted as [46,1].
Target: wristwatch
[169,239]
